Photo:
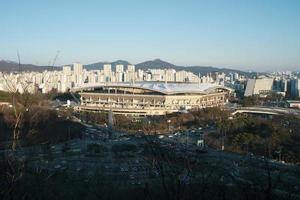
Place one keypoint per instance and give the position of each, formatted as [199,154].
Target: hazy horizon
[197,65]
[245,35]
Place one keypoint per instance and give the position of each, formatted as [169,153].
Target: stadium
[150,98]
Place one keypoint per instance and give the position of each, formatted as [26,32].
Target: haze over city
[247,35]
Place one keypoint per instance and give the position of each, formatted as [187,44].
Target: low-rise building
[293,103]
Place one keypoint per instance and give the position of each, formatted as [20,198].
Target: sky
[260,35]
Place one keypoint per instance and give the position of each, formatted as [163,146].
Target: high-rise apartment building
[119,73]
[78,68]
[130,74]
[67,70]
[119,68]
[295,87]
[107,72]
[169,75]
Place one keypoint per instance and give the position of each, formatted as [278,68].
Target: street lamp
[169,121]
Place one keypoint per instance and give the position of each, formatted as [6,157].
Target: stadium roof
[164,88]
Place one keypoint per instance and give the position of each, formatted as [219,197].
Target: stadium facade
[150,98]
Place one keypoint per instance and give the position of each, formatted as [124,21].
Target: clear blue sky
[244,34]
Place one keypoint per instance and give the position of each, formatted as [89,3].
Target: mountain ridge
[203,70]
[11,66]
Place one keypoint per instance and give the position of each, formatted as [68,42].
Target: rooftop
[165,88]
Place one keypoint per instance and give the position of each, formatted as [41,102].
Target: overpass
[266,111]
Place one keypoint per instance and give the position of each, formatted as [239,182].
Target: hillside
[157,63]
[160,64]
[10,66]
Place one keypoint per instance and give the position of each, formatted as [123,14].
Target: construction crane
[55,58]
[19,61]
[53,63]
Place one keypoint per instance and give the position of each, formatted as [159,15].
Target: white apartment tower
[78,72]
[130,73]
[169,75]
[107,72]
[119,73]
[67,71]
[78,68]
[120,68]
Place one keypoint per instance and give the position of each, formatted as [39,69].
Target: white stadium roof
[165,88]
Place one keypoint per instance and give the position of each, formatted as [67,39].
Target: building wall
[259,86]
[250,87]
[263,85]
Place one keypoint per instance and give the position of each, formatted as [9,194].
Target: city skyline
[258,36]
[171,65]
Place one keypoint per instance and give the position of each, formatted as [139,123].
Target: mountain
[154,64]
[158,64]
[99,65]
[10,66]
[207,69]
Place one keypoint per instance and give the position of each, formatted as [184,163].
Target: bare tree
[21,101]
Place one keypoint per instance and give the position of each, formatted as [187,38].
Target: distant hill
[10,66]
[157,63]
[204,70]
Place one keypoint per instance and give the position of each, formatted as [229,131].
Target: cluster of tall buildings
[77,75]
[285,83]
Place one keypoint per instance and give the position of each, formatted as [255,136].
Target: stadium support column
[110,119]
[166,81]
